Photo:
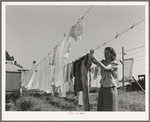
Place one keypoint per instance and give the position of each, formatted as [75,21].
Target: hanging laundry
[65,73]
[31,81]
[67,86]
[76,30]
[77,74]
[46,63]
[59,64]
[67,48]
[128,66]
[26,76]
[23,75]
[71,73]
[80,98]
[40,76]
[98,79]
[92,69]
[51,58]
[43,75]
[62,90]
[79,27]
[37,80]
[86,64]
[97,72]
[70,77]
[81,69]
[64,85]
[92,78]
[51,78]
[49,68]
[54,55]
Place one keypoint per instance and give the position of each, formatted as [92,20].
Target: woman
[107,98]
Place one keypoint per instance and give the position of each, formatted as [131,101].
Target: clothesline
[117,35]
[64,37]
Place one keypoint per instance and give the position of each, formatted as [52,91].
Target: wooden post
[123,68]
[21,84]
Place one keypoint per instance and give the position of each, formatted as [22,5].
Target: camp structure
[13,76]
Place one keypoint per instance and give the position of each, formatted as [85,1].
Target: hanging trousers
[85,92]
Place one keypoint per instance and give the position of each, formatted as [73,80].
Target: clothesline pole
[123,68]
[21,84]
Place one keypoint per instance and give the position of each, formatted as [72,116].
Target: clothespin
[91,51]
[117,34]
[65,34]
[132,25]
[97,47]
[104,43]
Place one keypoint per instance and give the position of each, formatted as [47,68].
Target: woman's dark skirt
[107,99]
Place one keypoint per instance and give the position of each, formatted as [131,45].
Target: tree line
[11,58]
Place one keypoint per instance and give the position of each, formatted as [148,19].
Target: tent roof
[12,68]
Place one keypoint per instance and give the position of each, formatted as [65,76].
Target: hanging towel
[62,90]
[80,98]
[40,76]
[26,76]
[67,48]
[51,59]
[46,63]
[59,64]
[67,72]
[64,73]
[30,84]
[54,55]
[23,75]
[76,30]
[37,80]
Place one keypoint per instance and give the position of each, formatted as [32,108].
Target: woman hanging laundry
[108,94]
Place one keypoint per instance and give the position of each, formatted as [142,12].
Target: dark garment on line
[81,68]
[86,64]
[77,75]
[71,74]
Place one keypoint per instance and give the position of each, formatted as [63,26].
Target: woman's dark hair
[112,51]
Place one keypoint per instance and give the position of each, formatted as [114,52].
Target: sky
[32,31]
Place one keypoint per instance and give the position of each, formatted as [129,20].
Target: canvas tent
[13,76]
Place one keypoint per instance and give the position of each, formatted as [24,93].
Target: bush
[24,106]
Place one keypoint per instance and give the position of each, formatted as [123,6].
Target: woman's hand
[92,53]
[109,67]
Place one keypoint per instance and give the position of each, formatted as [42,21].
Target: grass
[127,101]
